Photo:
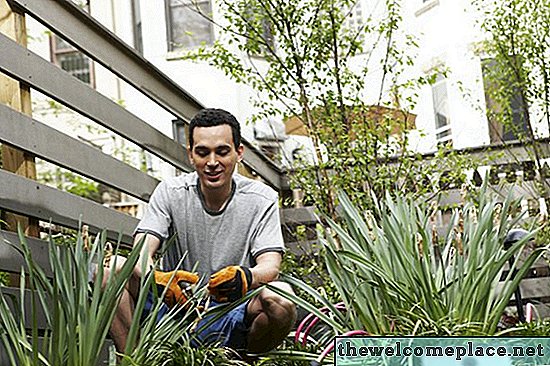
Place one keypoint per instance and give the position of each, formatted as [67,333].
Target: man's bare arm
[266,269]
[148,250]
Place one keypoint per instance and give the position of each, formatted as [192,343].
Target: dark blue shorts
[229,331]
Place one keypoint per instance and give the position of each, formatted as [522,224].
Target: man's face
[214,156]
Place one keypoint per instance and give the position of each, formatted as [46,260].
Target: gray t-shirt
[248,226]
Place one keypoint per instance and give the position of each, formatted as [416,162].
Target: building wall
[445,30]
[446,38]
[207,84]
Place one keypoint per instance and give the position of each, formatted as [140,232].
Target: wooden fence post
[16,96]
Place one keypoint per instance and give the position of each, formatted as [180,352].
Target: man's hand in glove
[177,283]
[230,283]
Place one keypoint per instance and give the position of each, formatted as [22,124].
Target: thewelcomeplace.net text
[410,350]
[348,348]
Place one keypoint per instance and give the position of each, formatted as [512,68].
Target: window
[258,22]
[188,25]
[71,60]
[441,110]
[354,20]
[136,24]
[494,100]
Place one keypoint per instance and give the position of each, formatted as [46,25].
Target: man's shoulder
[254,188]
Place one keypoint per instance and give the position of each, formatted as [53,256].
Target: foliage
[78,314]
[517,69]
[169,341]
[290,354]
[207,355]
[539,328]
[70,182]
[4,278]
[397,275]
[417,282]
[346,83]
[307,262]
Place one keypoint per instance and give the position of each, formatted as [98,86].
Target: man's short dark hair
[210,117]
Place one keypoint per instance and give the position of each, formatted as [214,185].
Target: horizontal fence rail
[501,153]
[100,44]
[453,197]
[12,261]
[23,132]
[25,196]
[301,216]
[25,66]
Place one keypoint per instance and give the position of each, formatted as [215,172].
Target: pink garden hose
[330,347]
[312,319]
[307,324]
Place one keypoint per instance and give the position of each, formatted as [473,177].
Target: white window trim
[177,52]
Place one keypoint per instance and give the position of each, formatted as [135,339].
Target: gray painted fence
[21,195]
[100,44]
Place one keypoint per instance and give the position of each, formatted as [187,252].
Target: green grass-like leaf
[395,280]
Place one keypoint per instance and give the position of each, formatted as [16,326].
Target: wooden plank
[519,190]
[18,97]
[29,68]
[257,161]
[13,294]
[299,216]
[12,261]
[68,20]
[21,195]
[30,135]
[511,152]
[535,288]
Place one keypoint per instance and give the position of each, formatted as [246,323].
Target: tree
[344,80]
[518,71]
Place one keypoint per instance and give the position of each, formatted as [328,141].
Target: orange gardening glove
[181,280]
[230,283]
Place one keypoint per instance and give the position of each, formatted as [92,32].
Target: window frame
[498,132]
[137,26]
[444,132]
[56,52]
[179,129]
[171,47]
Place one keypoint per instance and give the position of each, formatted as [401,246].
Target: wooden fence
[24,196]
[29,137]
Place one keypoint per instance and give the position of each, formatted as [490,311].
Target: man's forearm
[262,275]
[146,262]
[266,270]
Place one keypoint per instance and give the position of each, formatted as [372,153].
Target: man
[228,228]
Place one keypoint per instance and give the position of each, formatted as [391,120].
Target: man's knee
[114,265]
[272,317]
[277,307]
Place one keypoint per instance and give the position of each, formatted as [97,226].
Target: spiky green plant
[170,340]
[78,314]
[396,276]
